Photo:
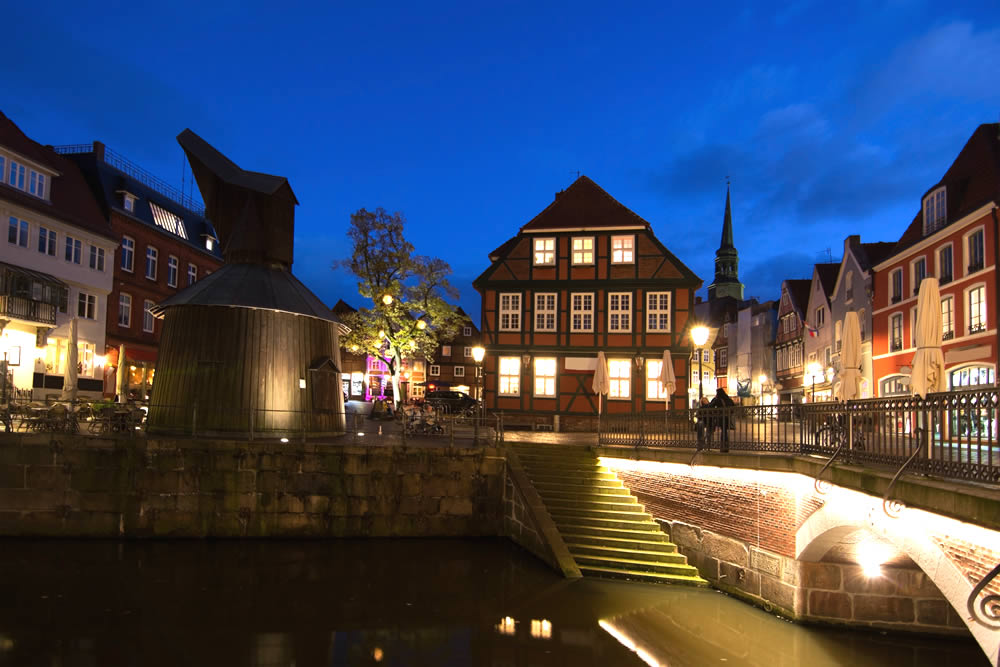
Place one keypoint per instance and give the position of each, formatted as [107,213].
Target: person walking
[703,425]
[723,417]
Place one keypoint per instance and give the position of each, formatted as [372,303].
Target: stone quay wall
[65,486]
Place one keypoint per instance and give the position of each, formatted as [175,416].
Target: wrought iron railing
[955,433]
[27,309]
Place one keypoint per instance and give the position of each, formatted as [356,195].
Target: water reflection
[384,602]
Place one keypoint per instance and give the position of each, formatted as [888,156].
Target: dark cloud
[762,277]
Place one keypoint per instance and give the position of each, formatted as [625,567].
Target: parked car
[453,402]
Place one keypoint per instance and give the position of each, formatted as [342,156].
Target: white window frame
[619,312]
[893,319]
[913,327]
[935,208]
[938,264]
[86,306]
[446,350]
[582,250]
[543,312]
[128,202]
[192,273]
[466,331]
[623,249]
[966,244]
[459,371]
[125,308]
[435,370]
[620,376]
[509,312]
[74,250]
[545,377]
[173,269]
[97,258]
[654,388]
[893,296]
[983,308]
[467,352]
[51,241]
[152,260]
[581,317]
[509,376]
[148,321]
[820,316]
[948,324]
[914,278]
[544,251]
[655,312]
[128,253]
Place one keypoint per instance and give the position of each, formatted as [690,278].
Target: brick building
[586,275]
[954,238]
[453,366]
[165,244]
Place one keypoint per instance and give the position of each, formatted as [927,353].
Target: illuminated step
[639,575]
[618,538]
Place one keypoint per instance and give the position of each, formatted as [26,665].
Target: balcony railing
[21,308]
[977,328]
[896,298]
[945,279]
[895,346]
[976,266]
[948,335]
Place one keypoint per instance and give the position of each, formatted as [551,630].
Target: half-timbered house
[586,275]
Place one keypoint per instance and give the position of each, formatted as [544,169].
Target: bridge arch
[924,537]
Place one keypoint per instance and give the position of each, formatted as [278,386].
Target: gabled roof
[798,292]
[828,277]
[70,198]
[584,205]
[502,250]
[972,180]
[343,308]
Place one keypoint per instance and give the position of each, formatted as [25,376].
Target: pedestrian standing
[724,409]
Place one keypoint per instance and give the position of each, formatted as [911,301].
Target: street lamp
[814,369]
[762,380]
[699,335]
[477,355]
[387,299]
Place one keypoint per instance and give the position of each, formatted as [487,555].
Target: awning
[34,276]
[139,354]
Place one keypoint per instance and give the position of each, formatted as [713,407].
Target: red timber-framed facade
[953,238]
[586,275]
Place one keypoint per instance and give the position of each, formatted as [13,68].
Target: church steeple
[727,261]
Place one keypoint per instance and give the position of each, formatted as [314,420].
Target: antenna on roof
[577,172]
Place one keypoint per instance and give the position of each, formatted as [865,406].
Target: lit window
[582,315]
[545,377]
[654,388]
[583,250]
[129,202]
[124,310]
[622,249]
[172,268]
[935,213]
[164,219]
[147,315]
[435,370]
[128,253]
[151,255]
[658,311]
[17,233]
[620,312]
[510,312]
[446,350]
[97,258]
[944,267]
[460,371]
[86,306]
[74,249]
[545,252]
[545,312]
[947,318]
[620,372]
[974,250]
[977,309]
[896,332]
[510,376]
[192,274]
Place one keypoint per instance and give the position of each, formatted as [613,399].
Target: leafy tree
[409,316]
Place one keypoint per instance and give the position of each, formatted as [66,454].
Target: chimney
[99,151]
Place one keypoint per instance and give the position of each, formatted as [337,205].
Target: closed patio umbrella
[667,377]
[601,384]
[122,377]
[928,360]
[850,359]
[72,359]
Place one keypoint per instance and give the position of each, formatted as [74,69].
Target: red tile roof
[972,180]
[71,200]
[584,204]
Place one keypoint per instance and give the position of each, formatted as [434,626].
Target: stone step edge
[631,561]
[677,558]
[569,537]
[618,573]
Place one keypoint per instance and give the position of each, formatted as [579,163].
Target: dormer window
[128,201]
[935,211]
[24,177]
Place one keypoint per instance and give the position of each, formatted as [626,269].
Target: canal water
[387,602]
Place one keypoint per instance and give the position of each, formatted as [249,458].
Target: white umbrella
[667,377]
[72,359]
[601,384]
[850,359]
[928,361]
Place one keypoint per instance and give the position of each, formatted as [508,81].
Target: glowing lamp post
[478,352]
[699,335]
[814,369]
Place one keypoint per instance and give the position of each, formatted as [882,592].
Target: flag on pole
[813,331]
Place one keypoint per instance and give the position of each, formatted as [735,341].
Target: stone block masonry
[57,486]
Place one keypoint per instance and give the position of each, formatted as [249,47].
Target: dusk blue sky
[830,118]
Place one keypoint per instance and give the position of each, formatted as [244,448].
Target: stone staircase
[607,531]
